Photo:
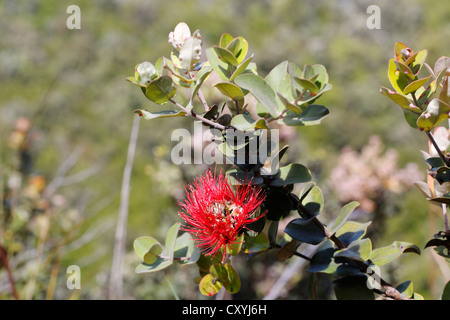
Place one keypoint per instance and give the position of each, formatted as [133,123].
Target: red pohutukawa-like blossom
[215,214]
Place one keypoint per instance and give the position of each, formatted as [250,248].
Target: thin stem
[441,155]
[296,253]
[280,116]
[200,95]
[5,264]
[202,99]
[198,117]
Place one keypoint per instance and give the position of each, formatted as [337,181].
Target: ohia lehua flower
[215,213]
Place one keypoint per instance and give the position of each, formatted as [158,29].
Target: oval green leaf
[305,231]
[290,174]
[230,90]
[233,283]
[161,90]
[209,286]
[382,256]
[260,90]
[147,249]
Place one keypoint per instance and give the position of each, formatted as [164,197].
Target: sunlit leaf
[209,286]
[292,173]
[382,256]
[159,114]
[260,90]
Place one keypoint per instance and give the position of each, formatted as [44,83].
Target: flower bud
[145,72]
[178,36]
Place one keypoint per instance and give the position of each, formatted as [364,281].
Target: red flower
[215,213]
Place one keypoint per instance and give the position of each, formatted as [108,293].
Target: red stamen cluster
[215,214]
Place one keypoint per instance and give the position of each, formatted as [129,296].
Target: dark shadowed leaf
[352,288]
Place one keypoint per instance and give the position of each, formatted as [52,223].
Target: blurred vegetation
[70,85]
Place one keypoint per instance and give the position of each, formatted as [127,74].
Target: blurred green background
[71,85]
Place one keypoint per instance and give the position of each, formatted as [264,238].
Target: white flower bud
[178,36]
[145,72]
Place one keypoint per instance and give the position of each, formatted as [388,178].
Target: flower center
[225,212]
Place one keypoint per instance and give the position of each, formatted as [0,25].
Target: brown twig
[198,117]
[5,264]
[436,146]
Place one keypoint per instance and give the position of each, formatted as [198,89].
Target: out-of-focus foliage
[71,85]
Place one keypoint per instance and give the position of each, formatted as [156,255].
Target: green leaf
[446,292]
[406,288]
[437,111]
[306,84]
[416,61]
[161,90]
[171,238]
[185,247]
[256,244]
[134,81]
[260,90]
[398,80]
[159,67]
[404,69]
[352,288]
[243,122]
[221,67]
[343,215]
[323,261]
[158,265]
[415,85]
[312,115]
[411,118]
[168,253]
[401,100]
[279,80]
[239,48]
[290,174]
[358,250]
[233,283]
[225,39]
[243,67]
[226,55]
[219,272]
[159,114]
[288,105]
[382,256]
[200,77]
[305,230]
[147,249]
[176,77]
[351,231]
[314,201]
[235,247]
[230,90]
[320,76]
[209,286]
[205,262]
